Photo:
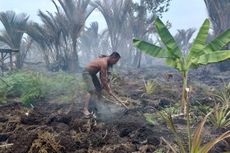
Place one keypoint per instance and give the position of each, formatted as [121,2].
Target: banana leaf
[218,43]
[213,57]
[175,63]
[150,49]
[167,39]
[200,41]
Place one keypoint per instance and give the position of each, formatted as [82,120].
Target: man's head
[114,58]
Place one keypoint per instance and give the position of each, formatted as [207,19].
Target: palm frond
[14,26]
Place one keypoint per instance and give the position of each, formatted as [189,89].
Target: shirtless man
[101,65]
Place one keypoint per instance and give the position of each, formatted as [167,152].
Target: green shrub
[33,87]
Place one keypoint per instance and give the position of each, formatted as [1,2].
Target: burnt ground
[52,127]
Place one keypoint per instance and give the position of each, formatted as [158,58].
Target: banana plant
[200,53]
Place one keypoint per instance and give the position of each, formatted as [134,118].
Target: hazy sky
[183,14]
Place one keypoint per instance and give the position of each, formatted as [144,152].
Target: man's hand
[110,92]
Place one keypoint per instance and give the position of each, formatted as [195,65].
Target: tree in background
[14,25]
[183,38]
[52,33]
[89,41]
[126,19]
[26,45]
[76,12]
[219,13]
[142,15]
[115,14]
[58,34]
[38,34]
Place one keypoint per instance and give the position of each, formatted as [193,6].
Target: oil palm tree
[14,25]
[219,13]
[53,31]
[55,34]
[139,28]
[115,14]
[76,12]
[89,41]
[183,38]
[125,19]
[41,37]
[141,16]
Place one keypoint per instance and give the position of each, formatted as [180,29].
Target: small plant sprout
[223,96]
[220,117]
[150,86]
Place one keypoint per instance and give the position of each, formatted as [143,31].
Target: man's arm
[104,78]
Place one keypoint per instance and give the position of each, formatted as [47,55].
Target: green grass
[32,87]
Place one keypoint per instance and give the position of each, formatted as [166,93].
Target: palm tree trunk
[19,62]
[219,14]
[139,60]
[57,52]
[73,65]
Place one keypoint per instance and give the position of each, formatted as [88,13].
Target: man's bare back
[96,65]
[100,65]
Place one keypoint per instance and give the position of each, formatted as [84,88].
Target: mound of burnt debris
[62,128]
[57,128]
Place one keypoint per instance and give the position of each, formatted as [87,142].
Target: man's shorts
[92,82]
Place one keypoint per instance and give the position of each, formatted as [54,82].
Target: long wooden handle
[119,101]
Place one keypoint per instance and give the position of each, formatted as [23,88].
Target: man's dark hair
[115,55]
[101,56]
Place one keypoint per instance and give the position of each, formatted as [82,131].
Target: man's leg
[86,99]
[90,88]
[97,86]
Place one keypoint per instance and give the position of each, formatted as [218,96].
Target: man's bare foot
[86,112]
[88,115]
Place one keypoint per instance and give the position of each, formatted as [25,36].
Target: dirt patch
[46,129]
